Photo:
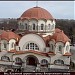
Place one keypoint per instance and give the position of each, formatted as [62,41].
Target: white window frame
[34,26]
[26,27]
[18,60]
[42,26]
[5,58]
[52,47]
[32,46]
[67,48]
[5,45]
[12,45]
[60,47]
[52,27]
[44,61]
[59,62]
[49,26]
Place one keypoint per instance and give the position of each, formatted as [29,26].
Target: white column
[38,67]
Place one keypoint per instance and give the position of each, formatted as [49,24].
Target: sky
[58,9]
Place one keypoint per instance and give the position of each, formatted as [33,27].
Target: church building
[41,46]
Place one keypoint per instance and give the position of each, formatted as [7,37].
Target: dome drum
[36,19]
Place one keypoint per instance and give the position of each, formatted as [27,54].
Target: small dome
[57,30]
[9,35]
[60,36]
[1,31]
[37,13]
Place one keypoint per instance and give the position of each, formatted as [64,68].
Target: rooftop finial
[36,3]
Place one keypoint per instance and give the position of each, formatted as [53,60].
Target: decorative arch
[49,26]
[12,45]
[18,61]
[33,19]
[43,19]
[31,60]
[59,62]
[60,48]
[34,26]
[5,45]
[9,70]
[31,46]
[67,48]
[5,58]
[52,45]
[60,45]
[29,38]
[21,26]
[26,26]
[52,27]
[44,62]
[42,26]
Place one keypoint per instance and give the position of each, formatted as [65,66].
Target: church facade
[40,46]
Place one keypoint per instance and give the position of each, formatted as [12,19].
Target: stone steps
[29,68]
[43,69]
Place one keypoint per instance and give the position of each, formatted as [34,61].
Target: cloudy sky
[59,9]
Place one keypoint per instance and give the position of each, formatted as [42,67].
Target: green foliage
[68,26]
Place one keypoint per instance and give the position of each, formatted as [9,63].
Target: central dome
[37,13]
[37,19]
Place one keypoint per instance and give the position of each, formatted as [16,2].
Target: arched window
[59,62]
[5,45]
[30,27]
[51,46]
[60,48]
[44,63]
[18,61]
[34,27]
[52,26]
[42,26]
[12,45]
[32,46]
[48,26]
[5,58]
[26,26]
[19,23]
[67,48]
[22,27]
